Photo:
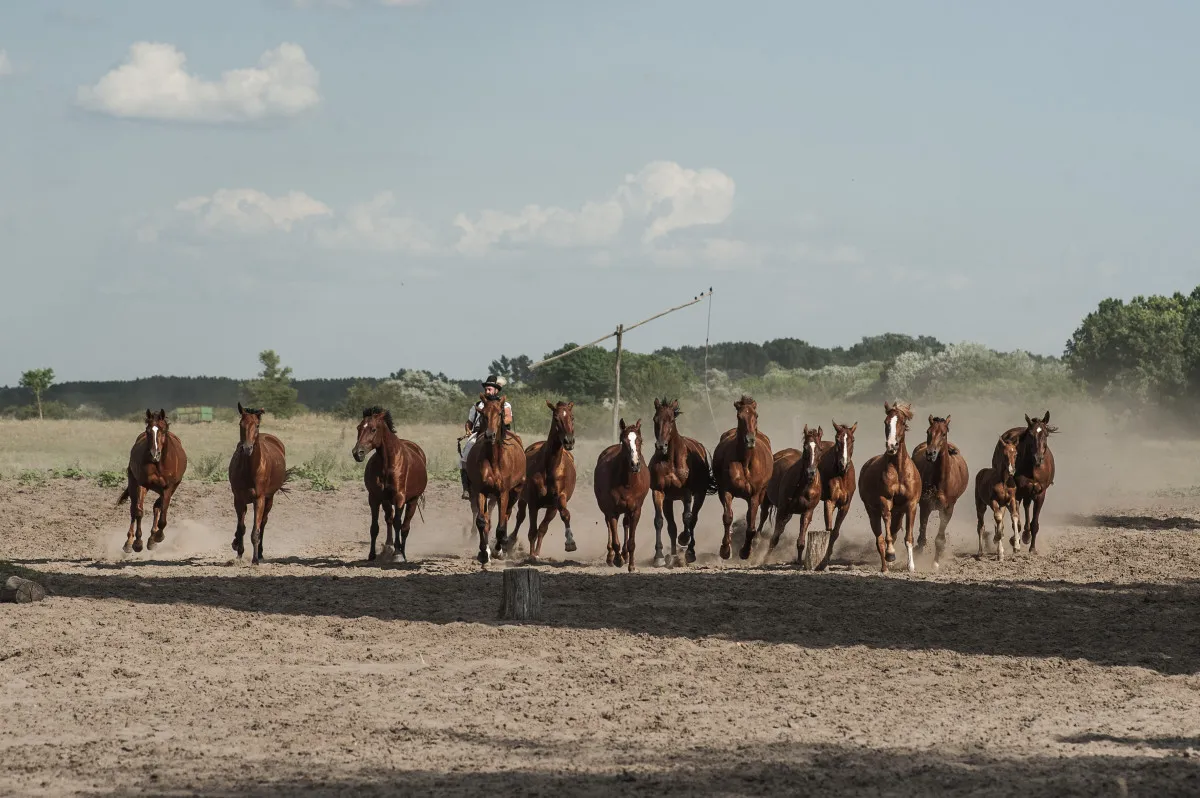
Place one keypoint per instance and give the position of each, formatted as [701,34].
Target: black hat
[494,381]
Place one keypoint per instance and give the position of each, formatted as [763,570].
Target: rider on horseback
[474,425]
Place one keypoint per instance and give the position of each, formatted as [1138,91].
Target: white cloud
[674,198]
[6,67]
[153,83]
[596,224]
[370,226]
[245,210]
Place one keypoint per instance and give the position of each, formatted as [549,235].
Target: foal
[996,487]
[944,478]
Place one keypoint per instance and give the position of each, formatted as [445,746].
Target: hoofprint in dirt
[181,671]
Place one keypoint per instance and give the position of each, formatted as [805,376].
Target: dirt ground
[180,672]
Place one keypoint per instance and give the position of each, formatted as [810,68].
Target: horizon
[444,182]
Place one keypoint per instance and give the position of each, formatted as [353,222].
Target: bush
[970,370]
[209,467]
[111,479]
[414,397]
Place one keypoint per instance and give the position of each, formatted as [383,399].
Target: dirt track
[176,672]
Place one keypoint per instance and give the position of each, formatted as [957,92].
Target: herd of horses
[894,486]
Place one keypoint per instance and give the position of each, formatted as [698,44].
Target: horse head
[631,443]
[747,416]
[248,428]
[562,422]
[665,413]
[1037,430]
[1004,458]
[811,447]
[156,433]
[895,424]
[493,418]
[843,437]
[936,436]
[371,430]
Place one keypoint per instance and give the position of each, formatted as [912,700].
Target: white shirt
[473,416]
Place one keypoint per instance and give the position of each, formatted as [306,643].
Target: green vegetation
[273,390]
[38,381]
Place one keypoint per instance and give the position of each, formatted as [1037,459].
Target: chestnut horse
[678,472]
[621,484]
[944,478]
[742,465]
[395,477]
[549,479]
[890,487]
[996,487]
[257,471]
[795,488]
[1035,471]
[836,466]
[495,469]
[156,462]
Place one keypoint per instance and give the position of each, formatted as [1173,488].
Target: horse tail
[124,497]
[421,507]
[712,489]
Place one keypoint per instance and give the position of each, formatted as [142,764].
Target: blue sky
[433,184]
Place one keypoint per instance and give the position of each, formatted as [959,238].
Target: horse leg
[137,507]
[410,509]
[155,537]
[1038,501]
[260,512]
[631,522]
[926,511]
[752,504]
[782,517]
[802,538]
[551,512]
[833,533]
[659,560]
[483,525]
[672,527]
[534,548]
[1012,518]
[691,511]
[727,521]
[389,525]
[979,508]
[500,549]
[374,502]
[239,532]
[561,502]
[877,528]
[1025,503]
[998,539]
[262,526]
[910,521]
[888,550]
[510,541]
[939,545]
[614,546]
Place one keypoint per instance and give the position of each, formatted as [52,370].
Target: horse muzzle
[810,472]
[661,448]
[248,449]
[931,455]
[358,454]
[155,457]
[892,449]
[490,437]
[1012,470]
[569,443]
[749,440]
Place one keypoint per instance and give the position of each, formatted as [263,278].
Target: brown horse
[944,478]
[549,479]
[741,467]
[795,488]
[1035,471]
[156,462]
[678,472]
[395,476]
[495,470]
[836,466]
[257,471]
[890,487]
[996,487]
[621,484]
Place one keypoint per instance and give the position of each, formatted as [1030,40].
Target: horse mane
[939,420]
[387,416]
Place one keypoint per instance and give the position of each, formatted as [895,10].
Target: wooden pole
[617,392]
[521,599]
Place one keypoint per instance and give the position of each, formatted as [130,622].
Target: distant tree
[38,381]
[514,369]
[273,389]
[585,375]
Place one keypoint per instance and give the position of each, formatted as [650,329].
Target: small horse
[795,488]
[621,485]
[495,469]
[837,486]
[157,462]
[549,479]
[1035,471]
[741,466]
[890,487]
[944,478]
[678,472]
[996,487]
[257,471]
[395,477]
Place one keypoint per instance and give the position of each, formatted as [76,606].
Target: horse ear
[931,419]
[550,405]
[259,412]
[657,404]
[820,431]
[240,410]
[149,414]
[887,407]
[571,406]
[638,425]
[805,429]
[622,423]
[1046,418]
[1028,420]
[678,412]
[948,419]
[853,427]
[481,397]
[162,414]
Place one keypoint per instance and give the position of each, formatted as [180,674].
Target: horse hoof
[660,561]
[618,561]
[1024,538]
[891,556]
[150,544]
[936,565]
[608,560]
[744,553]
[685,537]
[570,546]
[127,548]
[482,557]
[691,556]
[632,567]
[137,545]
[726,551]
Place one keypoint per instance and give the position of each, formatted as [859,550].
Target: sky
[366,185]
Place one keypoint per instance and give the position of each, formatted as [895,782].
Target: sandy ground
[179,671]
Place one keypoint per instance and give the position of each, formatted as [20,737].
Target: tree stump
[814,548]
[521,599]
[21,591]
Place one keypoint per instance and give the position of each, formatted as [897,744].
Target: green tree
[644,377]
[514,369]
[1138,350]
[273,389]
[584,376]
[38,381]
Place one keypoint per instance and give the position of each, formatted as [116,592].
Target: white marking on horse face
[154,432]
[812,449]
[891,431]
[846,449]
[632,438]
[1038,430]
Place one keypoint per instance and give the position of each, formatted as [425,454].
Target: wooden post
[21,591]
[814,548]
[617,393]
[521,599]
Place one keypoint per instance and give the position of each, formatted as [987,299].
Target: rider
[474,425]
